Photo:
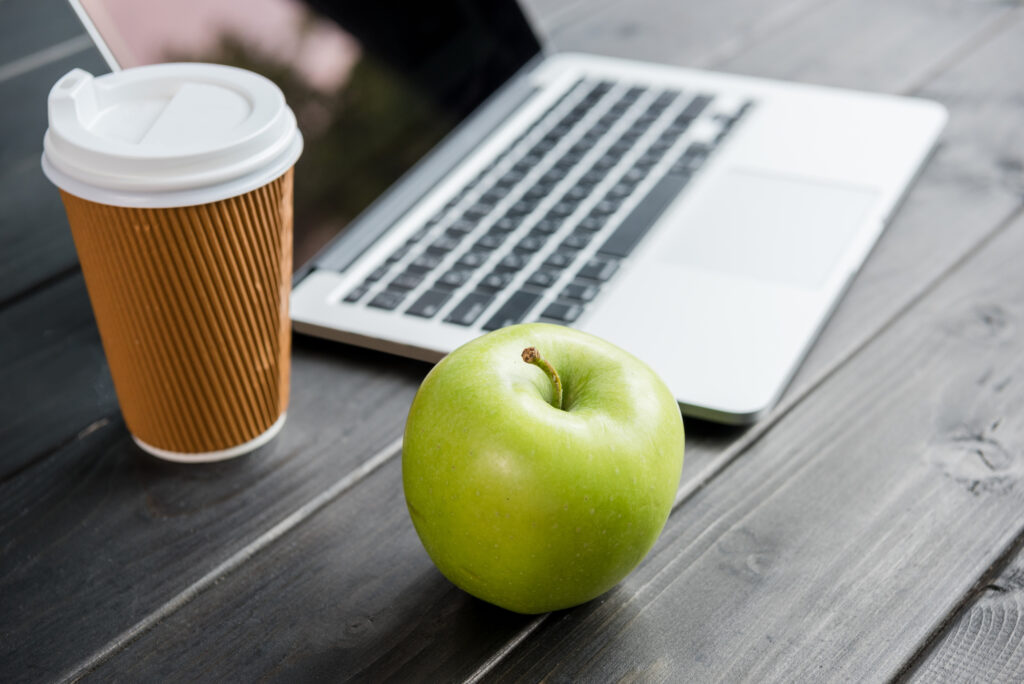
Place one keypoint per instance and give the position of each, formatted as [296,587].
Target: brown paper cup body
[192,307]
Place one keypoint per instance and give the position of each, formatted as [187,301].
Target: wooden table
[870,528]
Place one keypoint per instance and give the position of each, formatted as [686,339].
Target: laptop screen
[374,85]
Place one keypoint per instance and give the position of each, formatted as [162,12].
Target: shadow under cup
[192,307]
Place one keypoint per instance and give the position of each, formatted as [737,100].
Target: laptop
[458,178]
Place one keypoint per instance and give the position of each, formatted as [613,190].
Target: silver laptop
[458,178]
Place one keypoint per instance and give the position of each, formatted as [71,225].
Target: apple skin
[530,507]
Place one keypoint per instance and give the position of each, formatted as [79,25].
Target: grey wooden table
[870,528]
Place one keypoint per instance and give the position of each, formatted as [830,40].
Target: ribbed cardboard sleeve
[192,308]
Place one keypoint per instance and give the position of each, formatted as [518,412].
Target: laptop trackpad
[785,230]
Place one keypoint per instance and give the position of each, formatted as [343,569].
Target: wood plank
[985,643]
[118,534]
[367,605]
[980,155]
[822,554]
[28,26]
[853,527]
[35,242]
[56,378]
[382,362]
[730,528]
[855,44]
[691,33]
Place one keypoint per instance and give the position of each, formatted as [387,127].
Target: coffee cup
[177,181]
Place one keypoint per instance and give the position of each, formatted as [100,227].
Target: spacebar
[643,216]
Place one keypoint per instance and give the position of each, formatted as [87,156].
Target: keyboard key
[429,303]
[577,240]
[453,279]
[676,129]
[666,98]
[490,241]
[510,178]
[643,216]
[542,146]
[356,294]
[548,224]
[469,309]
[660,146]
[531,243]
[567,312]
[563,209]
[577,193]
[552,177]
[620,147]
[621,189]
[598,268]
[633,93]
[424,263]
[461,227]
[694,108]
[443,244]
[478,210]
[692,159]
[377,273]
[543,278]
[387,299]
[506,224]
[513,311]
[472,259]
[606,206]
[399,253]
[406,281]
[559,260]
[495,194]
[494,282]
[522,207]
[580,291]
[537,192]
[513,262]
[593,223]
[634,175]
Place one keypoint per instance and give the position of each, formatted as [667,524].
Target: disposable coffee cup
[177,182]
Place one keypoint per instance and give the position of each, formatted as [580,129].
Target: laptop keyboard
[537,234]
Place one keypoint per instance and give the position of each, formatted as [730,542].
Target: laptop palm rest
[784,230]
[742,281]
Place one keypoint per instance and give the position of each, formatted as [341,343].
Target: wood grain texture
[35,242]
[851,530]
[852,44]
[28,26]
[405,621]
[348,596]
[54,374]
[818,556]
[986,642]
[634,635]
[116,534]
[692,34]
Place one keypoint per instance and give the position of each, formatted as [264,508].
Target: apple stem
[531,355]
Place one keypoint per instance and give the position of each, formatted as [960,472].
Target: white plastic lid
[167,134]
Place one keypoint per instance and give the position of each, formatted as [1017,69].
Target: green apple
[530,500]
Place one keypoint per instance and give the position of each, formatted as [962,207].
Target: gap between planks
[236,560]
[912,668]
